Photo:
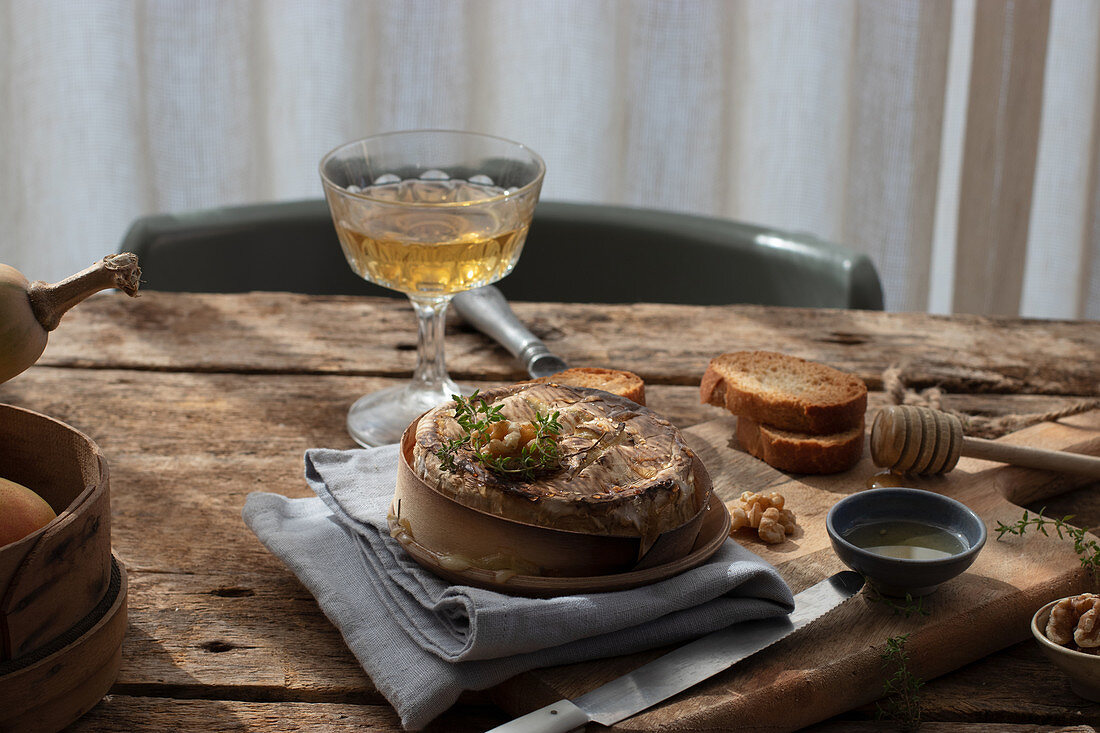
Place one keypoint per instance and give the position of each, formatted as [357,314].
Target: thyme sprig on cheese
[523,450]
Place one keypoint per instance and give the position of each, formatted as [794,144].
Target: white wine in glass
[429,213]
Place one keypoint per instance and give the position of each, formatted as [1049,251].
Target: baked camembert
[619,470]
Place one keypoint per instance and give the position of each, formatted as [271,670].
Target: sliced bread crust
[799,452]
[785,392]
[616,381]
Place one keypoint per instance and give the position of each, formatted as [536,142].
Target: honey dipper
[919,440]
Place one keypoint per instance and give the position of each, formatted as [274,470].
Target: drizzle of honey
[883,479]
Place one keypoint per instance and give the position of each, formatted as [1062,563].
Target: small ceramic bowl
[894,576]
[1082,669]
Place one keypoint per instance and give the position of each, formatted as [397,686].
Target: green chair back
[574,253]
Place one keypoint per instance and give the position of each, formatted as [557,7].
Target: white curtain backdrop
[957,143]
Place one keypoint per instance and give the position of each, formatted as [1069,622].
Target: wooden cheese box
[62,592]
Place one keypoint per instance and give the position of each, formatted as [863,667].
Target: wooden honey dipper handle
[920,440]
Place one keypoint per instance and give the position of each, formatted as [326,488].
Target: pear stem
[51,302]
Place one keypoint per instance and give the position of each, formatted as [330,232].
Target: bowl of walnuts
[1068,632]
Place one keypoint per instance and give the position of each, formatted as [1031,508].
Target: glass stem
[431,367]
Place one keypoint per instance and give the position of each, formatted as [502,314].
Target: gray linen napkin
[424,641]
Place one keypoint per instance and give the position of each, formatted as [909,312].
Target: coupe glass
[429,213]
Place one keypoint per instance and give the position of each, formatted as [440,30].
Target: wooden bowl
[48,689]
[451,538]
[61,583]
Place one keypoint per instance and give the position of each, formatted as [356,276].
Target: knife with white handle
[486,310]
[686,666]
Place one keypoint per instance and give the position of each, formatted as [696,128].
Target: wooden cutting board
[835,665]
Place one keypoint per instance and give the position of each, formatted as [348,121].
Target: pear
[21,512]
[30,310]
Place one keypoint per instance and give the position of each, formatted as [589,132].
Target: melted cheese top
[625,469]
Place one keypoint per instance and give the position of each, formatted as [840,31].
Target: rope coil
[981,426]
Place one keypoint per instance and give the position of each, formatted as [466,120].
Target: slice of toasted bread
[785,392]
[616,381]
[799,452]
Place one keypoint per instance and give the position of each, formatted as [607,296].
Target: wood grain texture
[664,344]
[151,714]
[198,400]
[137,714]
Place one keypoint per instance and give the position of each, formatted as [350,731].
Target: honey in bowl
[867,529]
[885,478]
[907,540]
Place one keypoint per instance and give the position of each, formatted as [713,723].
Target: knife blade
[486,310]
[685,666]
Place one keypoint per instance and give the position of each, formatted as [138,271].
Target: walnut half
[507,438]
[1075,623]
[765,514]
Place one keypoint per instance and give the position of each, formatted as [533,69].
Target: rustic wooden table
[199,399]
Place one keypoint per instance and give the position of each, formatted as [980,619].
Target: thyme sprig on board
[478,419]
[904,607]
[1086,548]
[901,690]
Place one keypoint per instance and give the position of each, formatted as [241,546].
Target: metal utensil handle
[486,310]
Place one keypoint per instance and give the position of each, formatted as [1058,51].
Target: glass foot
[381,417]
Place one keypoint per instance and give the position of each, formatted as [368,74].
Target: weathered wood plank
[212,613]
[225,641]
[849,726]
[188,447]
[1017,684]
[136,714]
[295,411]
[671,344]
[264,639]
[237,635]
[199,399]
[150,714]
